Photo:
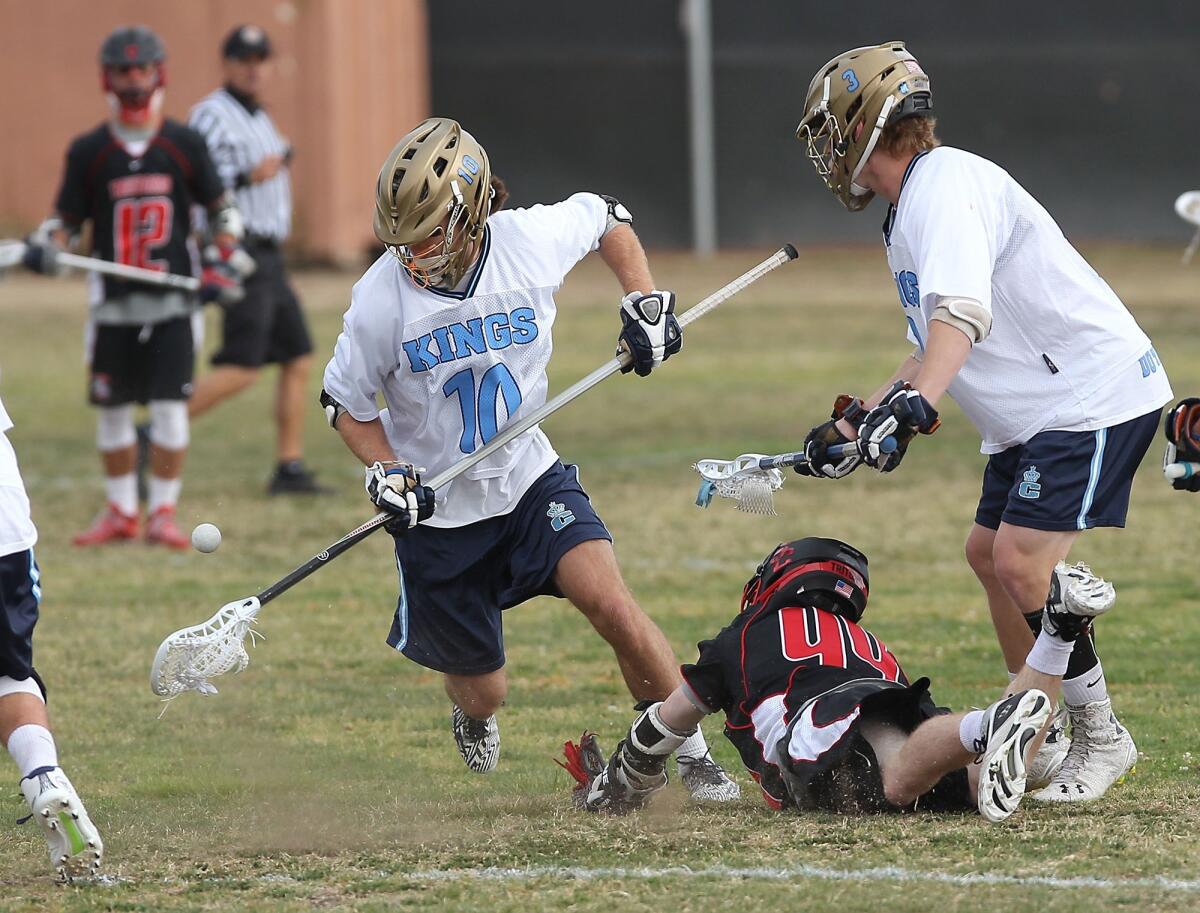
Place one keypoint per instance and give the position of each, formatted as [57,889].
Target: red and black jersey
[139,206]
[768,663]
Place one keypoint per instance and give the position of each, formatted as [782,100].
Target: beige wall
[351,76]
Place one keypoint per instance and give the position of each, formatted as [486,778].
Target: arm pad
[966,315]
[617,213]
[333,409]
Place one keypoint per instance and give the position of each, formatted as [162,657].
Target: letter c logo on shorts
[1029,489]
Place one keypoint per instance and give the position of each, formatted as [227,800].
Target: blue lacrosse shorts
[20,595]
[454,583]
[1065,480]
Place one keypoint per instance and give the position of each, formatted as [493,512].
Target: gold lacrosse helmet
[431,201]
[849,102]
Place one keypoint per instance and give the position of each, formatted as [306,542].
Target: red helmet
[133,46]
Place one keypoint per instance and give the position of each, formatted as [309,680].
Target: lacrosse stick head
[190,658]
[740,480]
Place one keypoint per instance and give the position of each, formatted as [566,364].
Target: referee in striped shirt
[267,325]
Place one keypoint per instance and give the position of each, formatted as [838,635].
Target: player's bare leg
[473,719]
[1001,739]
[588,575]
[291,405]
[1013,630]
[218,385]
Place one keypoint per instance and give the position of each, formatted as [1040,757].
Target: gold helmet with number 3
[432,199]
[849,103]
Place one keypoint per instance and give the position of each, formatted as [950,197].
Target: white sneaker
[1009,726]
[1102,752]
[1044,765]
[75,845]
[706,780]
[478,740]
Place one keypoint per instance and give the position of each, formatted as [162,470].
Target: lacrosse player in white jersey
[452,326]
[75,845]
[1014,325]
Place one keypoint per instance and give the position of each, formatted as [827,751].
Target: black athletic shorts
[828,764]
[267,325]
[20,593]
[454,583]
[140,363]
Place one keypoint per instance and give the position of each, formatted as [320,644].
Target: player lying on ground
[1181,461]
[452,326]
[75,844]
[1013,324]
[821,712]
[135,179]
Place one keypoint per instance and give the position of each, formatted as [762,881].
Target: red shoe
[161,529]
[110,526]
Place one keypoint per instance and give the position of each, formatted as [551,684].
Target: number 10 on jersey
[480,406]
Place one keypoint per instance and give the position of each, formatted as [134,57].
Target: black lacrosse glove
[41,254]
[649,330]
[397,489]
[1181,461]
[818,463]
[901,414]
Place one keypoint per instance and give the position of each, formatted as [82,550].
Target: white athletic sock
[164,492]
[122,491]
[1050,655]
[970,730]
[693,747]
[32,746]
[1086,688]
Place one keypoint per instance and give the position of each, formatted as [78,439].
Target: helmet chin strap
[880,123]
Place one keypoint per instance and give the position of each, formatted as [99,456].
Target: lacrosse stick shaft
[352,538]
[13,251]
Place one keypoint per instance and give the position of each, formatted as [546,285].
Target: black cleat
[293,478]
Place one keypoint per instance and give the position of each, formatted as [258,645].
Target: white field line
[887,873]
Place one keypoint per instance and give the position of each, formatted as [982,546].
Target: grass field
[325,775]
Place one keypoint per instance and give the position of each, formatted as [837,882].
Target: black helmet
[822,573]
[132,45]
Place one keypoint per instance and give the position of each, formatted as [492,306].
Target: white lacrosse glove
[397,489]
[42,250]
[649,330]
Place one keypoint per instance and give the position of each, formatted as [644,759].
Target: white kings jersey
[17,532]
[455,367]
[1063,352]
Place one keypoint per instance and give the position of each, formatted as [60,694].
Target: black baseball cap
[246,41]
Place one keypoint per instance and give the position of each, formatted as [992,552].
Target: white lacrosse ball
[205,538]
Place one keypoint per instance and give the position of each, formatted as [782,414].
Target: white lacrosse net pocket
[190,658]
[742,480]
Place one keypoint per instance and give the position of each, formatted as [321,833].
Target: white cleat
[706,780]
[478,741]
[75,845]
[1050,756]
[1077,597]
[1102,752]
[1009,726]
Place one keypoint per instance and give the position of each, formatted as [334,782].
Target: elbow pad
[966,315]
[333,409]
[227,219]
[618,214]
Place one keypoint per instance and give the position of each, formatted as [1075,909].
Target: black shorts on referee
[267,325]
